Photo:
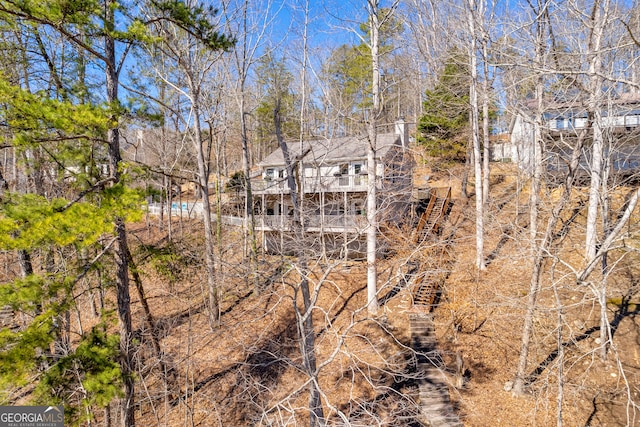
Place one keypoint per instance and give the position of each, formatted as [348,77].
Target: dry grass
[251,364]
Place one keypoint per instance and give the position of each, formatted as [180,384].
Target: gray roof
[332,151]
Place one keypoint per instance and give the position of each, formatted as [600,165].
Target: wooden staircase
[426,293]
[436,212]
[426,279]
[435,403]
[427,289]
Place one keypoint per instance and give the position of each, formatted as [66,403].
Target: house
[563,122]
[334,184]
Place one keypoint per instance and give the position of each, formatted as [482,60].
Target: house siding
[562,123]
[335,187]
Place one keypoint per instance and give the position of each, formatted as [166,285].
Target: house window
[269,174]
[282,181]
[334,208]
[358,208]
[344,174]
[357,170]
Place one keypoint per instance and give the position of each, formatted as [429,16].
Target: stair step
[433,392]
[425,294]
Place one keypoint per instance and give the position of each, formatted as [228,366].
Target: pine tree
[101,203]
[348,73]
[444,127]
[48,229]
[274,82]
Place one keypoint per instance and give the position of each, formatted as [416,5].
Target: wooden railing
[431,219]
[312,184]
[328,222]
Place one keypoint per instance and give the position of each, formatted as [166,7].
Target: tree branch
[94,187]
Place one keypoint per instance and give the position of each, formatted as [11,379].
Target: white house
[564,121]
[333,180]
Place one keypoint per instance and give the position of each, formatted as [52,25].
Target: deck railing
[312,184]
[339,222]
[621,163]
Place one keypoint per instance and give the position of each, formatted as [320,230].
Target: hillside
[371,370]
[337,124]
[249,370]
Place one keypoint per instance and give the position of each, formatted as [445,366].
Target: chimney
[402,130]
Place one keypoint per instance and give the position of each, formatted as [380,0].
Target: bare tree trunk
[305,319]
[372,272]
[598,18]
[537,251]
[169,208]
[203,184]
[246,166]
[539,257]
[244,54]
[464,184]
[121,245]
[473,117]
[559,343]
[605,336]
[486,101]
[372,182]
[219,214]
[536,154]
[303,104]
[165,372]
[541,23]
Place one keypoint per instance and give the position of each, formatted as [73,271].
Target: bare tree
[474,11]
[486,104]
[599,17]
[194,57]
[372,132]
[541,23]
[377,18]
[251,22]
[304,317]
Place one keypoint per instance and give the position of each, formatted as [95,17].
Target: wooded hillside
[447,235]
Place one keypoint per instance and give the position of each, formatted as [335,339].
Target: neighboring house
[563,122]
[333,178]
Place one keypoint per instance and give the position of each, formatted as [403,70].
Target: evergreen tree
[349,68]
[97,204]
[348,74]
[48,229]
[274,83]
[443,128]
